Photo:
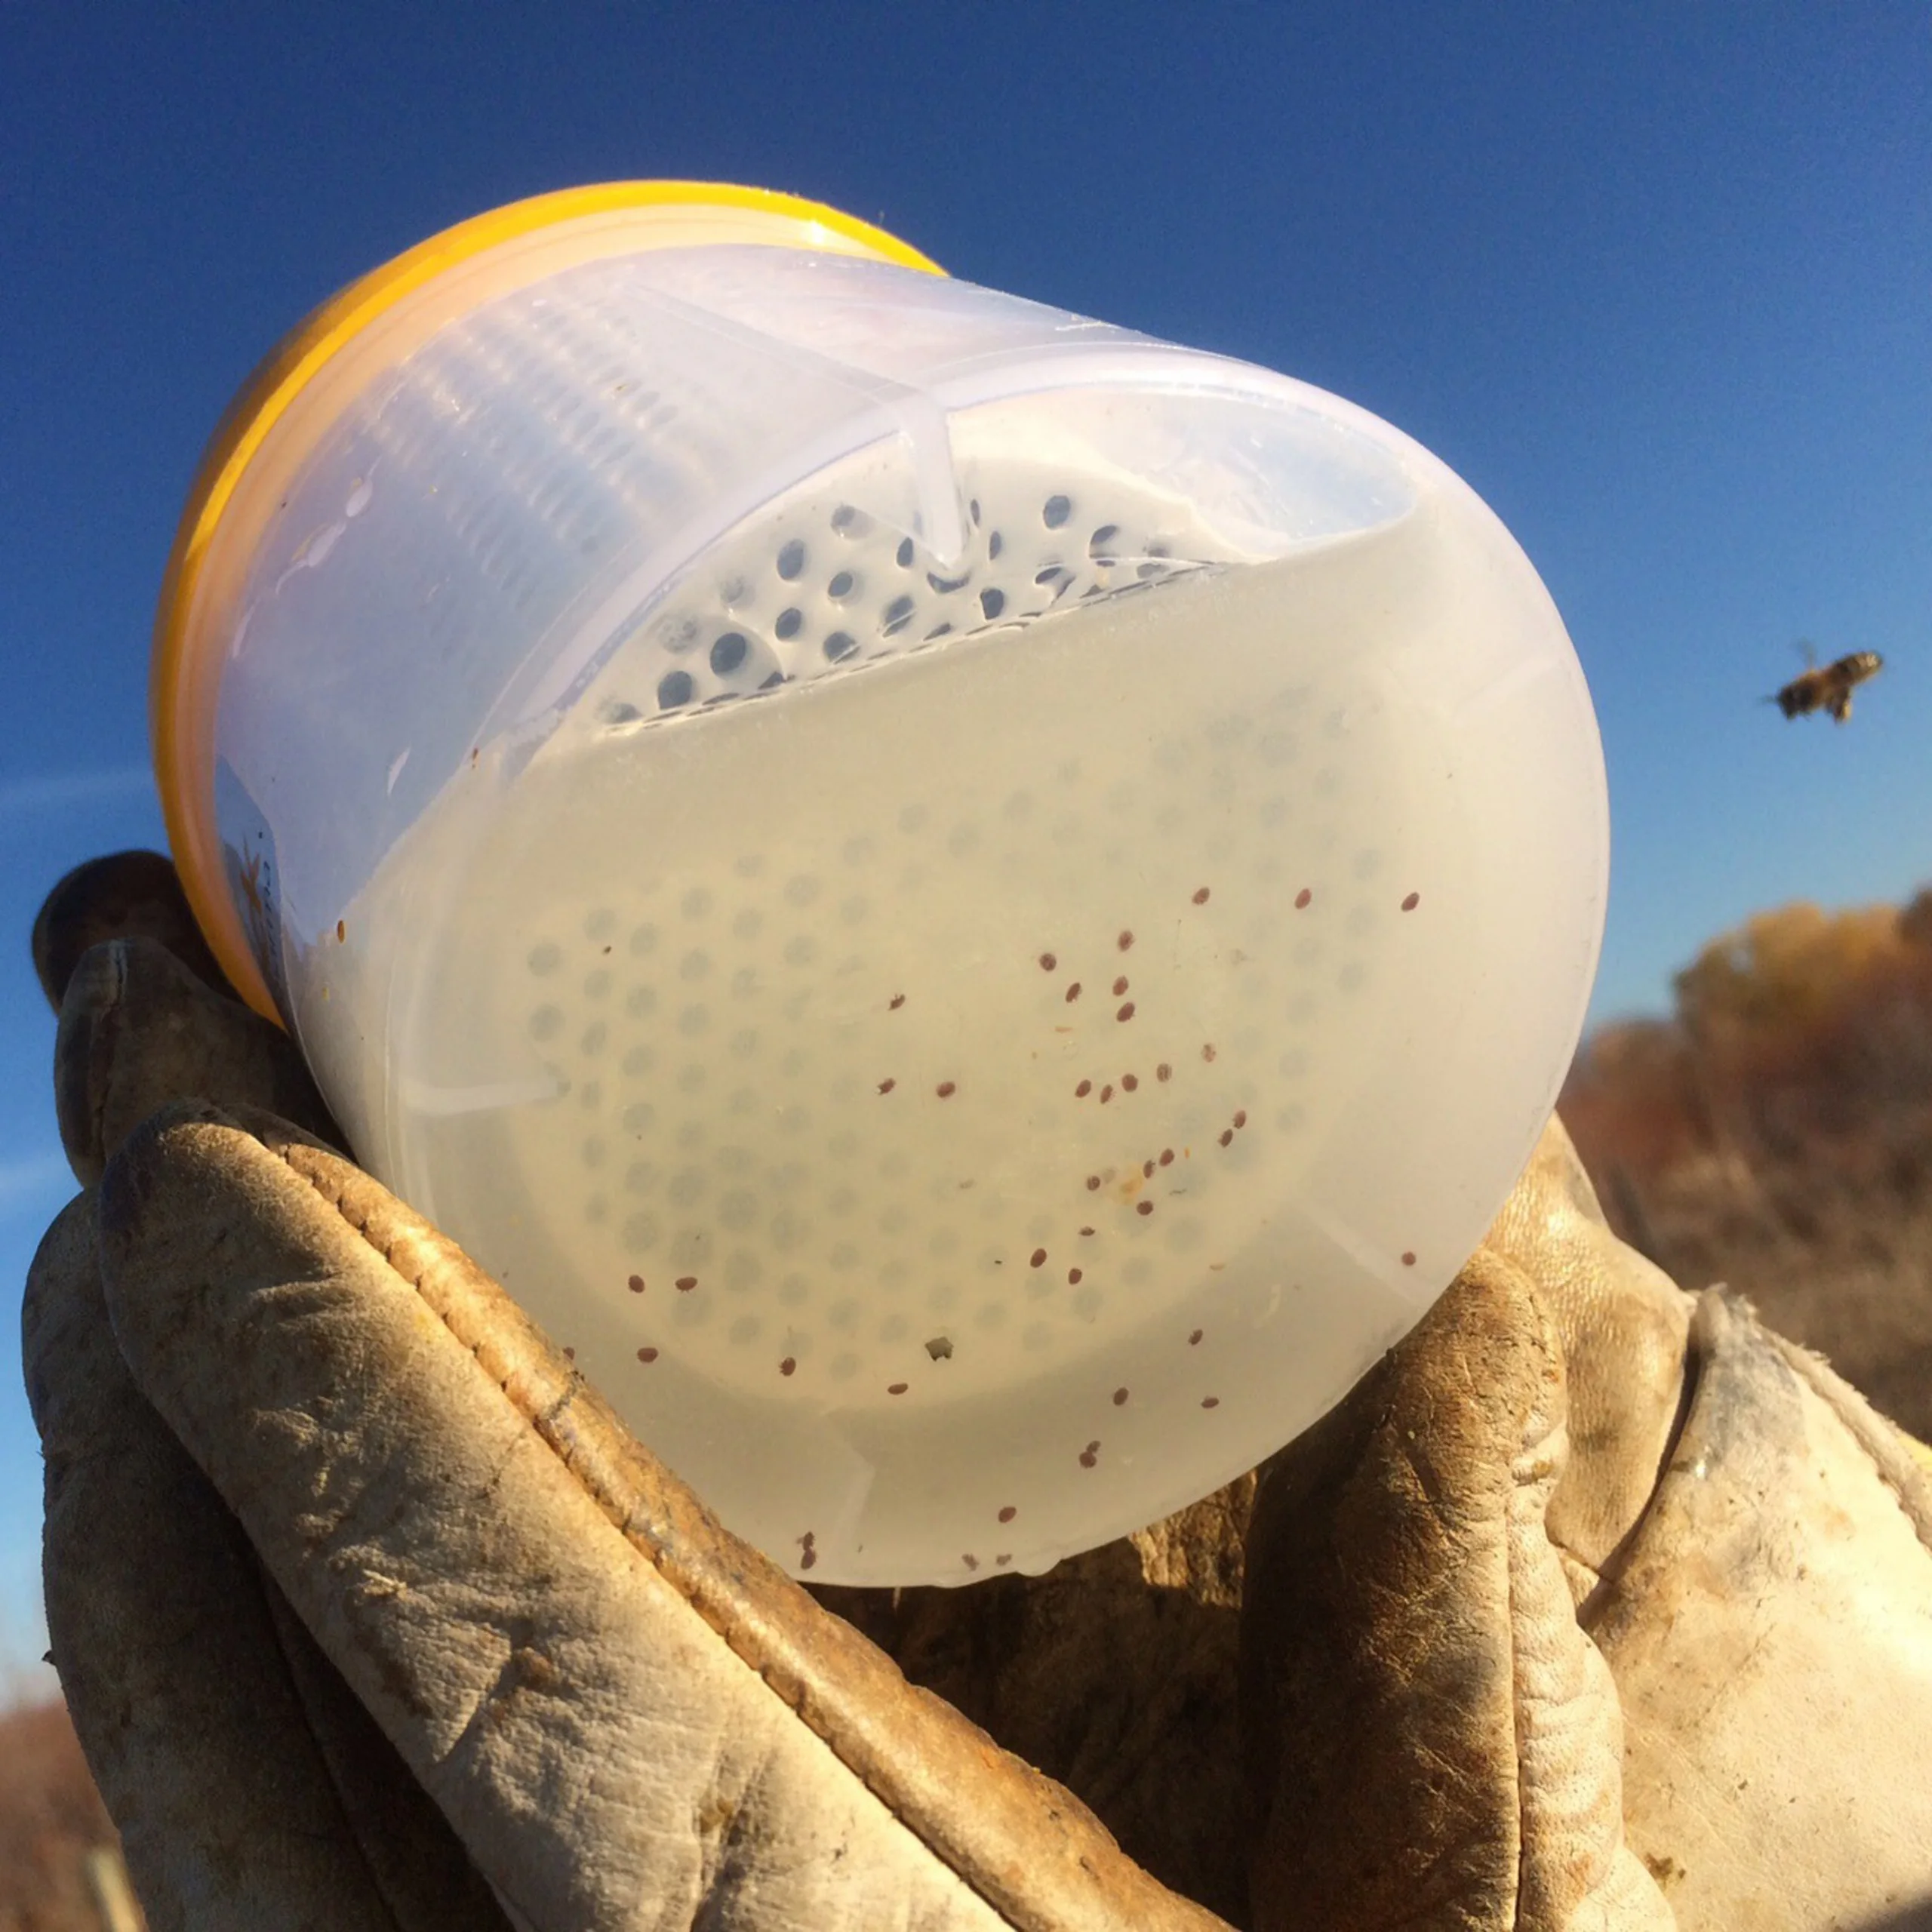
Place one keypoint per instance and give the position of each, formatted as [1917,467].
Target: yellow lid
[397,306]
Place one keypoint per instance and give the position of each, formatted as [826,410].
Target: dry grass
[1777,1133]
[51,1820]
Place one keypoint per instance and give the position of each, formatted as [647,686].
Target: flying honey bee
[1827,686]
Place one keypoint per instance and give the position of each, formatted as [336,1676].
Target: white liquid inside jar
[961,1109]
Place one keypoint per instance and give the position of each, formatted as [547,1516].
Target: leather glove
[370,1614]
[1595,1604]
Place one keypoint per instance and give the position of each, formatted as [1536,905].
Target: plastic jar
[975,910]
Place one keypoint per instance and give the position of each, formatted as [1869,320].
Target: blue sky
[1657,280]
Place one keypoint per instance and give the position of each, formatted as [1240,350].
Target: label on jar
[253,874]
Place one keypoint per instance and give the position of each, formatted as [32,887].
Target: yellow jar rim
[183,772]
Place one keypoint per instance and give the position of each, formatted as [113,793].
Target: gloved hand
[370,1614]
[1594,1603]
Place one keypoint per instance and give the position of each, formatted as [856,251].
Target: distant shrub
[1782,973]
[1802,1033]
[51,1818]
[1775,1133]
[1634,1088]
[1915,921]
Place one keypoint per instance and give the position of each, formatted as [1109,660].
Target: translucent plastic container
[976,911]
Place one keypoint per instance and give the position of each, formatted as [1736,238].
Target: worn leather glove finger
[146,1016]
[630,1717]
[1749,1544]
[1622,1328]
[1768,1620]
[250,1788]
[126,895]
[138,1029]
[1434,1743]
[1116,1673]
[1734,1725]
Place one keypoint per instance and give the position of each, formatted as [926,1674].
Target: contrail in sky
[72,788]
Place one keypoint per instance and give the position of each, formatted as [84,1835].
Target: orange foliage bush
[1776,1132]
[1803,1033]
[51,1817]
[1633,1097]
